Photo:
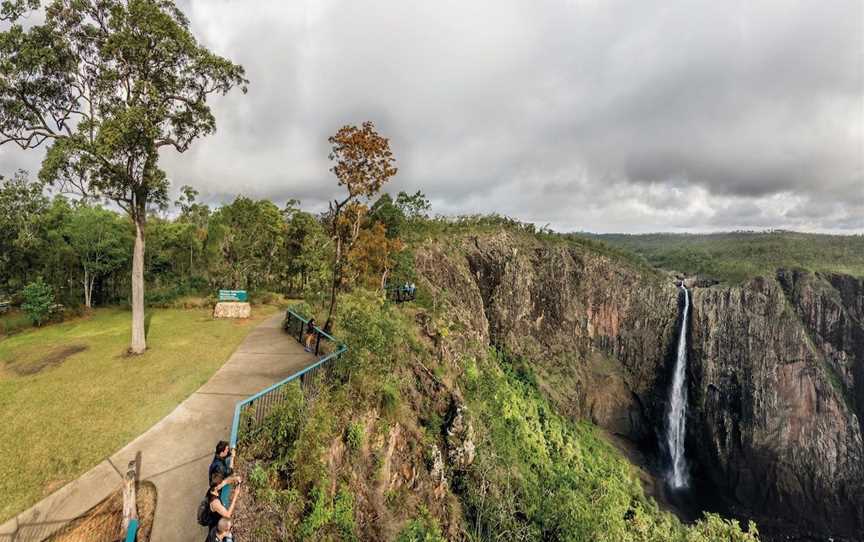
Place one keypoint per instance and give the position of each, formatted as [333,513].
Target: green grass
[737,256]
[66,418]
[13,321]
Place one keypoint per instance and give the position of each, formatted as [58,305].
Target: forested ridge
[736,256]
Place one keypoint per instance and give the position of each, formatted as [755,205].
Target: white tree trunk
[139,341]
[87,290]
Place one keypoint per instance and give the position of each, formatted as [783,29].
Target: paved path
[176,452]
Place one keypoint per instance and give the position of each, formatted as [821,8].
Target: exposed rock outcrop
[595,332]
[232,310]
[774,424]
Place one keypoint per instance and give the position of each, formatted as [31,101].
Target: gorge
[775,377]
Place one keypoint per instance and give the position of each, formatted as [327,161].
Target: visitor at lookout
[221,532]
[222,460]
[217,509]
[310,334]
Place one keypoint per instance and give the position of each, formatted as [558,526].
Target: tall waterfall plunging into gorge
[676,416]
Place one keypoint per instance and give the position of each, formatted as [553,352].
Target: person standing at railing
[222,461]
[310,334]
[217,509]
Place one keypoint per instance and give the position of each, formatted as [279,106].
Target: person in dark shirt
[221,532]
[222,460]
[218,511]
[310,334]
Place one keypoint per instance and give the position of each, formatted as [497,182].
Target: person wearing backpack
[211,509]
[221,532]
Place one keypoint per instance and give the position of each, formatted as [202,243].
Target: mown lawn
[69,396]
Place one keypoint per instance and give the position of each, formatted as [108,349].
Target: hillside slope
[444,421]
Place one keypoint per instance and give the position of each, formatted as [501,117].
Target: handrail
[225,496]
[132,532]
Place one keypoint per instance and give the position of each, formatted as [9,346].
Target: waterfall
[676,416]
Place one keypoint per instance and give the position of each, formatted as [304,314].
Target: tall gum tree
[363,163]
[106,84]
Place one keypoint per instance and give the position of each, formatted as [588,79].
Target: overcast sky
[589,115]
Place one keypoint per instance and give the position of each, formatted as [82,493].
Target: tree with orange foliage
[363,163]
[371,258]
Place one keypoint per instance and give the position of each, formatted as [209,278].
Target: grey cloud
[618,115]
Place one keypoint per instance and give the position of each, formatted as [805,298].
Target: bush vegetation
[737,256]
[536,476]
[38,301]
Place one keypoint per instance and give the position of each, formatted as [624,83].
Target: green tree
[388,214]
[363,163]
[108,83]
[23,206]
[196,216]
[247,237]
[306,244]
[414,206]
[38,301]
[98,237]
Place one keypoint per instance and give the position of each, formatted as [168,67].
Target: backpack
[205,515]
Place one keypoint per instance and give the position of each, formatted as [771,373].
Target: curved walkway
[176,452]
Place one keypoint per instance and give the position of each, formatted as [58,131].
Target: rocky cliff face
[776,371]
[773,392]
[596,333]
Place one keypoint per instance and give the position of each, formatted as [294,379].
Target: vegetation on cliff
[423,432]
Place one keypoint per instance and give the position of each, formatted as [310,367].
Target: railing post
[317,342]
[300,334]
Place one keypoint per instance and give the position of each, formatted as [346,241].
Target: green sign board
[233,295]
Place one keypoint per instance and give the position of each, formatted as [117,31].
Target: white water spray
[676,417]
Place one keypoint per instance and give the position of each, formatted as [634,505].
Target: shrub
[275,437]
[38,301]
[390,398]
[422,529]
[354,436]
[330,516]
[259,479]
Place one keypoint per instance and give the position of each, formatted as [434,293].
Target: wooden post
[130,507]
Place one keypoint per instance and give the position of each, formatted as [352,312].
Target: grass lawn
[69,397]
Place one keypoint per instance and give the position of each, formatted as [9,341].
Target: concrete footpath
[176,452]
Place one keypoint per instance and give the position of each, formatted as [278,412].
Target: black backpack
[205,515]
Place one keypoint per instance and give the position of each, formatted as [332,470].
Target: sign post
[232,304]
[233,295]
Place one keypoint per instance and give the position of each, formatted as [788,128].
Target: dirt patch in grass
[52,359]
[102,523]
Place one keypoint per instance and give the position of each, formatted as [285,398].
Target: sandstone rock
[460,439]
[232,310]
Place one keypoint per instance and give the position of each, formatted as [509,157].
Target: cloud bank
[587,115]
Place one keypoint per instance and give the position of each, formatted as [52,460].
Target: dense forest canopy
[81,248]
[736,256]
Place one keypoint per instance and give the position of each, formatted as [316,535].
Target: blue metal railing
[266,399]
[132,532]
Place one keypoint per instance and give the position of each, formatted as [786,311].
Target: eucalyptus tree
[363,163]
[107,84]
